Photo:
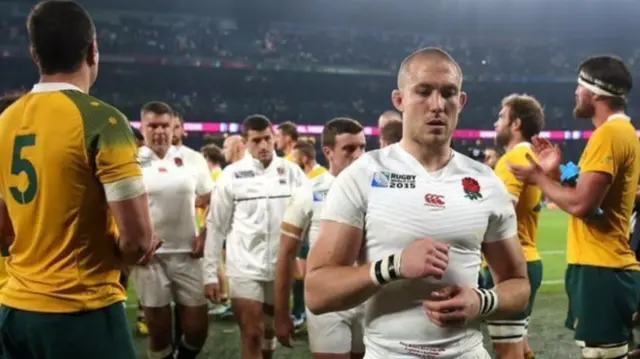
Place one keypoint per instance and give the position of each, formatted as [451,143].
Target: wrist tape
[385,270]
[488,301]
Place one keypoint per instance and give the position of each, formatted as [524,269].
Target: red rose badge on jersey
[178,161]
[471,188]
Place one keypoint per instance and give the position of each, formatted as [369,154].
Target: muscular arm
[332,282]
[580,201]
[129,205]
[297,217]
[509,270]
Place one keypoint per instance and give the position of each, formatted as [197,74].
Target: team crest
[471,188]
[280,171]
[178,161]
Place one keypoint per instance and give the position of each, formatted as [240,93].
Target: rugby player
[233,148]
[304,155]
[175,273]
[418,215]
[390,133]
[286,138]
[68,176]
[603,275]
[215,159]
[521,117]
[250,199]
[337,335]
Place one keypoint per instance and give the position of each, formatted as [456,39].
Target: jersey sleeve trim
[124,189]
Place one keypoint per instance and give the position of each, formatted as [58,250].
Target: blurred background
[306,61]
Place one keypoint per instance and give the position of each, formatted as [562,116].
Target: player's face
[260,144]
[157,130]
[348,148]
[503,127]
[430,101]
[490,158]
[584,103]
[281,140]
[178,131]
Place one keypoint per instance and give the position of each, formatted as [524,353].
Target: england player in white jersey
[419,215]
[249,201]
[336,334]
[175,274]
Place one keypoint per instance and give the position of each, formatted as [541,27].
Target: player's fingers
[441,247]
[434,317]
[443,256]
[437,264]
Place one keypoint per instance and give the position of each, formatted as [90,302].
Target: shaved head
[387,117]
[233,148]
[434,54]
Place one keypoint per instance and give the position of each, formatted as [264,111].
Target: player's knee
[603,351]
[507,331]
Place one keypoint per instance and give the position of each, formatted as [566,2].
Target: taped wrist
[488,301]
[385,270]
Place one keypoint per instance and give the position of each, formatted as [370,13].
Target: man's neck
[161,152]
[74,79]
[309,167]
[602,114]
[288,149]
[432,158]
[516,140]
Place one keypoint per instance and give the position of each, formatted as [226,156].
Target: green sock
[298,298]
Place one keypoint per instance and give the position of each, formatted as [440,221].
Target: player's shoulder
[465,166]
[93,109]
[241,169]
[322,181]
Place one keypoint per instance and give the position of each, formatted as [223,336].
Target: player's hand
[197,247]
[452,306]
[548,154]
[212,292]
[284,329]
[424,257]
[153,247]
[529,173]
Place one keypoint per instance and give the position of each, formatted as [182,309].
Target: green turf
[548,337]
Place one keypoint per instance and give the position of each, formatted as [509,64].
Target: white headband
[596,86]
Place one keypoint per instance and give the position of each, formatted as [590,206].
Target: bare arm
[332,282]
[580,201]
[202,201]
[129,205]
[509,270]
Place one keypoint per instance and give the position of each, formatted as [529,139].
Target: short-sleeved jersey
[390,196]
[59,147]
[305,208]
[173,182]
[613,149]
[528,198]
[202,212]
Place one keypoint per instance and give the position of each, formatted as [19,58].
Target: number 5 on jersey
[20,165]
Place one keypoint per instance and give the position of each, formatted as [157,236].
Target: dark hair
[9,98]
[339,126]
[290,129]
[391,132]
[61,34]
[156,107]
[255,122]
[213,154]
[306,148]
[178,115]
[528,110]
[612,71]
[137,134]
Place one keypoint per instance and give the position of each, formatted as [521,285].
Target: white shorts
[478,353]
[336,333]
[170,277]
[260,291]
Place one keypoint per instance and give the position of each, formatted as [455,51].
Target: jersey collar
[522,144]
[618,116]
[54,86]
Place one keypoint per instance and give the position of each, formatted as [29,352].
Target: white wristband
[488,301]
[385,270]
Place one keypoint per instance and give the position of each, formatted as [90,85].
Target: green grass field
[548,337]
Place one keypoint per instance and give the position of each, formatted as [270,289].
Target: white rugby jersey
[305,208]
[390,195]
[173,182]
[247,207]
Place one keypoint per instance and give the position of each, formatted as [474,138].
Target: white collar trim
[54,86]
